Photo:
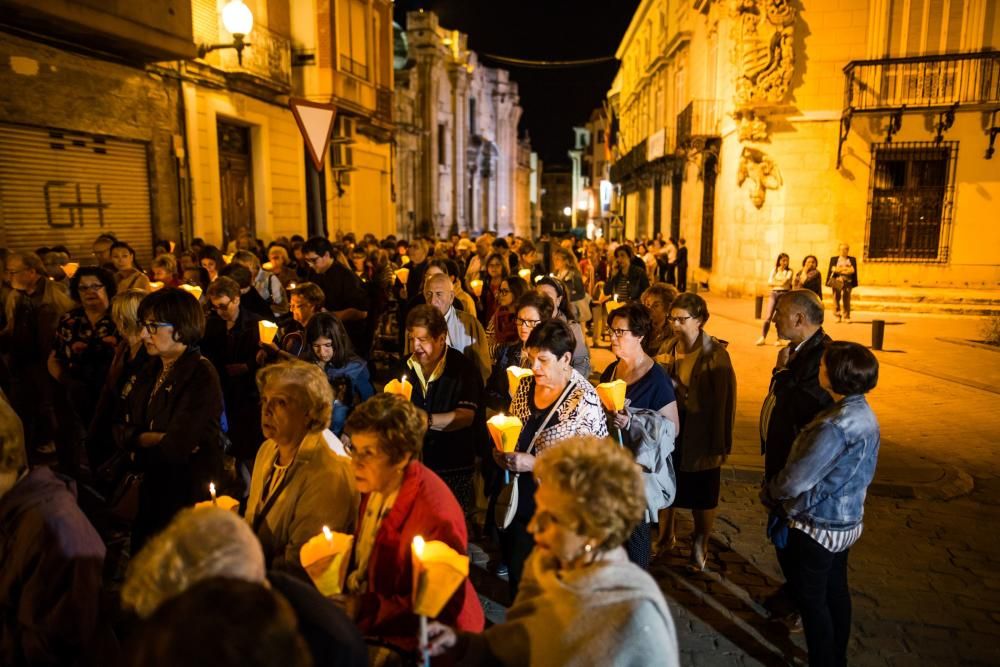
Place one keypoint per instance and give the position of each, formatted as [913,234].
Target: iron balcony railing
[268,57]
[923,82]
[700,118]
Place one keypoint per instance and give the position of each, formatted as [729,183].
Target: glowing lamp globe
[237,18]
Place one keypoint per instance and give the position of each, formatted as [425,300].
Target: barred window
[910,201]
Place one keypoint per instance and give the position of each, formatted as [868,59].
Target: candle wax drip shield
[325,561]
[612,394]
[514,376]
[437,574]
[404,389]
[267,331]
[505,432]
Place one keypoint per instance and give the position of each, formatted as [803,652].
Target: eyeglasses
[678,320]
[310,260]
[531,324]
[503,292]
[152,327]
[91,287]
[618,333]
[359,456]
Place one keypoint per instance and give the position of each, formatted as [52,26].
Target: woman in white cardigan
[581,602]
[780,281]
[298,485]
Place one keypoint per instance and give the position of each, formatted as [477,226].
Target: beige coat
[318,490]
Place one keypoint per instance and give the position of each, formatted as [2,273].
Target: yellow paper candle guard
[438,571]
[69,268]
[267,331]
[402,275]
[612,394]
[402,387]
[476,286]
[228,259]
[325,558]
[525,274]
[505,431]
[267,266]
[227,503]
[155,285]
[193,290]
[514,376]
[612,306]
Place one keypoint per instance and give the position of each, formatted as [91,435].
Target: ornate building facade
[458,146]
[753,128]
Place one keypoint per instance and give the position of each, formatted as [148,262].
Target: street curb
[970,343]
[952,483]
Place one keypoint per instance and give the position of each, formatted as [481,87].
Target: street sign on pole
[315,121]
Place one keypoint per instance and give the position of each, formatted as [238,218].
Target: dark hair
[777,262]
[500,244]
[177,307]
[398,424]
[504,266]
[806,259]
[239,274]
[665,293]
[552,335]
[203,277]
[640,321]
[223,286]
[851,367]
[131,251]
[565,308]
[214,254]
[625,249]
[693,304]
[101,274]
[328,325]
[197,628]
[539,302]
[318,246]
[526,248]
[429,318]
[518,287]
[806,301]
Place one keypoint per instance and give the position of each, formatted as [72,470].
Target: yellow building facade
[752,128]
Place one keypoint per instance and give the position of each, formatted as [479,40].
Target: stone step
[917,299]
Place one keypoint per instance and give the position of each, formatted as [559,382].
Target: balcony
[951,81]
[698,121]
[267,62]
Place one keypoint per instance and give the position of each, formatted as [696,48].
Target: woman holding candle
[554,404]
[648,388]
[531,310]
[401,498]
[502,329]
[298,484]
[582,602]
[555,289]
[277,256]
[329,348]
[492,277]
[705,385]
[173,412]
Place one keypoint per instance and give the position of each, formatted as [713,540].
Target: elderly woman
[329,348]
[556,290]
[502,329]
[589,499]
[128,275]
[648,387]
[705,384]
[164,268]
[281,265]
[555,403]
[657,299]
[173,412]
[298,485]
[817,500]
[401,498]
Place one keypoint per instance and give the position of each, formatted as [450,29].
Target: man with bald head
[465,333]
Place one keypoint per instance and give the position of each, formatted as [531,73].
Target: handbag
[836,282]
[506,505]
[123,505]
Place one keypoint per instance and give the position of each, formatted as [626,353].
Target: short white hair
[199,543]
[13,456]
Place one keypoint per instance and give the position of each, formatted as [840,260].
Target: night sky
[553,100]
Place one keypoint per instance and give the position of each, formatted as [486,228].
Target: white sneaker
[760,341]
[780,343]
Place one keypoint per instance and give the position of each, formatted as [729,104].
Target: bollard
[758,307]
[878,334]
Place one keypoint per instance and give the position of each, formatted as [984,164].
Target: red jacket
[425,506]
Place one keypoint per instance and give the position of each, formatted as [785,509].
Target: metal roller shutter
[61,187]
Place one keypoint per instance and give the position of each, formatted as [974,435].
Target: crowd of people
[132,399]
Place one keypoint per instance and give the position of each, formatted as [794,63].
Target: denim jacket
[830,467]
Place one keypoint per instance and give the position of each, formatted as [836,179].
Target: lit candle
[325,558]
[525,274]
[211,489]
[172,246]
[514,376]
[227,259]
[402,275]
[505,432]
[267,266]
[438,571]
[155,285]
[424,642]
[267,331]
[193,290]
[401,387]
[69,268]
[291,286]
[476,286]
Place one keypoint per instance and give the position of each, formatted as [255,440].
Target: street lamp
[567,211]
[237,19]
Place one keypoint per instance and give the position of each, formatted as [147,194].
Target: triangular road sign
[315,122]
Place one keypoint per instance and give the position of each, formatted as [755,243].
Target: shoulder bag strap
[555,406]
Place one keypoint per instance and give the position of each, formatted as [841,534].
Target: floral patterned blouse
[86,349]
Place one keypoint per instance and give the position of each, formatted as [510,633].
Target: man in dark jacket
[794,397]
[345,295]
[52,559]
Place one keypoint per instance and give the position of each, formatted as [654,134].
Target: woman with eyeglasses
[556,290]
[173,411]
[705,385]
[85,343]
[657,299]
[329,348]
[648,387]
[128,275]
[555,403]
[531,310]
[502,328]
[298,484]
[400,499]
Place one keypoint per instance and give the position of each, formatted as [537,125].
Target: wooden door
[236,181]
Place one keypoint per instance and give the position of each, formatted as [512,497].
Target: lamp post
[237,19]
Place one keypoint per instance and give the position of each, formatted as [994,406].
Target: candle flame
[211,489]
[418,546]
[327,533]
